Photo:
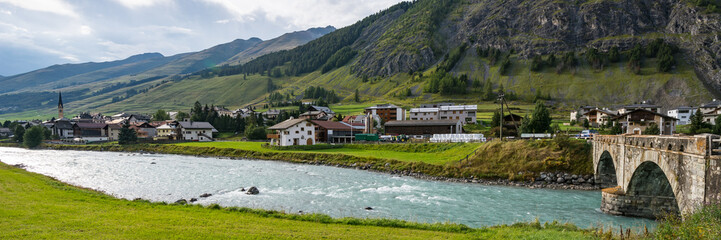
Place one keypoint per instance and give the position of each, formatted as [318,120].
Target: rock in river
[205,195]
[252,191]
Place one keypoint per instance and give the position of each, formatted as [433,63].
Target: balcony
[273,136]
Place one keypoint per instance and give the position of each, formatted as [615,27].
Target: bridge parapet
[698,145]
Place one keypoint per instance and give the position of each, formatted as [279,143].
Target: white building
[387,112]
[683,114]
[424,114]
[196,131]
[293,132]
[465,113]
[710,117]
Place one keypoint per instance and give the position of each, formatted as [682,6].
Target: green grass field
[38,207]
[451,153]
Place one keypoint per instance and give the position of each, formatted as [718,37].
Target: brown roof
[412,123]
[330,125]
[90,125]
[644,110]
[286,124]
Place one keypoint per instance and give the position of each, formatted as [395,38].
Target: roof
[287,124]
[644,110]
[166,126]
[641,105]
[330,125]
[5,130]
[63,125]
[515,117]
[601,110]
[90,125]
[311,113]
[712,104]
[423,110]
[196,125]
[459,107]
[322,109]
[411,123]
[114,126]
[382,106]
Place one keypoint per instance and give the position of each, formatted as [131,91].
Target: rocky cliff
[417,41]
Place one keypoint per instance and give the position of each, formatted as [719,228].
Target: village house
[636,121]
[424,114]
[167,131]
[512,121]
[196,131]
[63,128]
[224,112]
[710,106]
[424,128]
[89,130]
[387,112]
[683,114]
[315,115]
[354,119]
[136,118]
[5,132]
[334,132]
[599,117]
[465,113]
[144,130]
[578,115]
[293,132]
[112,131]
[272,114]
[710,116]
[436,105]
[326,110]
[244,112]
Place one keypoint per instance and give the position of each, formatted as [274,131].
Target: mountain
[56,73]
[284,42]
[567,52]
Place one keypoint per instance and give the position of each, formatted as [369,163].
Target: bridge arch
[606,171]
[650,185]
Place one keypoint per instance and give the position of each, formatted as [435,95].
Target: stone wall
[713,180]
[638,206]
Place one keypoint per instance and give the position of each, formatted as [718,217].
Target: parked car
[587,134]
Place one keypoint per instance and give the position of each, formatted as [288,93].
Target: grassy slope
[438,154]
[37,207]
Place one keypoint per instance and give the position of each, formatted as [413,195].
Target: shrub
[33,137]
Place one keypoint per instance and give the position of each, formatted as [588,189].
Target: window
[310,133]
[302,129]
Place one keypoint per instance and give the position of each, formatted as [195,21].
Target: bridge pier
[649,176]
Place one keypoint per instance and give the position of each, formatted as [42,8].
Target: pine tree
[357,96]
[697,122]
[127,135]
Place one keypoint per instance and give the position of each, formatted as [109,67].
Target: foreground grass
[703,224]
[37,207]
[438,154]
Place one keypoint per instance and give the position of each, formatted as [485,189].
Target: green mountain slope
[396,51]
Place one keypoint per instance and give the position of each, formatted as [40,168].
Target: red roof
[330,125]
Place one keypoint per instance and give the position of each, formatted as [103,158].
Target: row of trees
[446,84]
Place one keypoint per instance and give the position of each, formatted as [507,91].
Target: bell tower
[60,106]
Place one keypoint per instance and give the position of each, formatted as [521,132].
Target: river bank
[540,166]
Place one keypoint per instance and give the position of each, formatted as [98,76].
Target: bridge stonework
[641,164]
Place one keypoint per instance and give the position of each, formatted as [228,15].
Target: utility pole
[501,98]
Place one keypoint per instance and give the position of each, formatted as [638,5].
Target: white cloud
[132,4]
[85,30]
[51,6]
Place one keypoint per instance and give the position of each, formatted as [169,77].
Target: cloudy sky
[39,33]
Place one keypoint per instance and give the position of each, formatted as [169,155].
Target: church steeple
[60,106]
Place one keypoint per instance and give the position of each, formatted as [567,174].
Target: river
[292,188]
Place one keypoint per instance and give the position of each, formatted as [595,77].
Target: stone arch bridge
[647,176]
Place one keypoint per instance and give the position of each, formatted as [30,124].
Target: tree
[33,137]
[652,129]
[541,119]
[356,97]
[537,63]
[616,129]
[586,124]
[488,91]
[197,113]
[182,116]
[255,133]
[614,55]
[496,119]
[127,135]
[18,132]
[717,126]
[161,115]
[697,122]
[6,124]
[477,84]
